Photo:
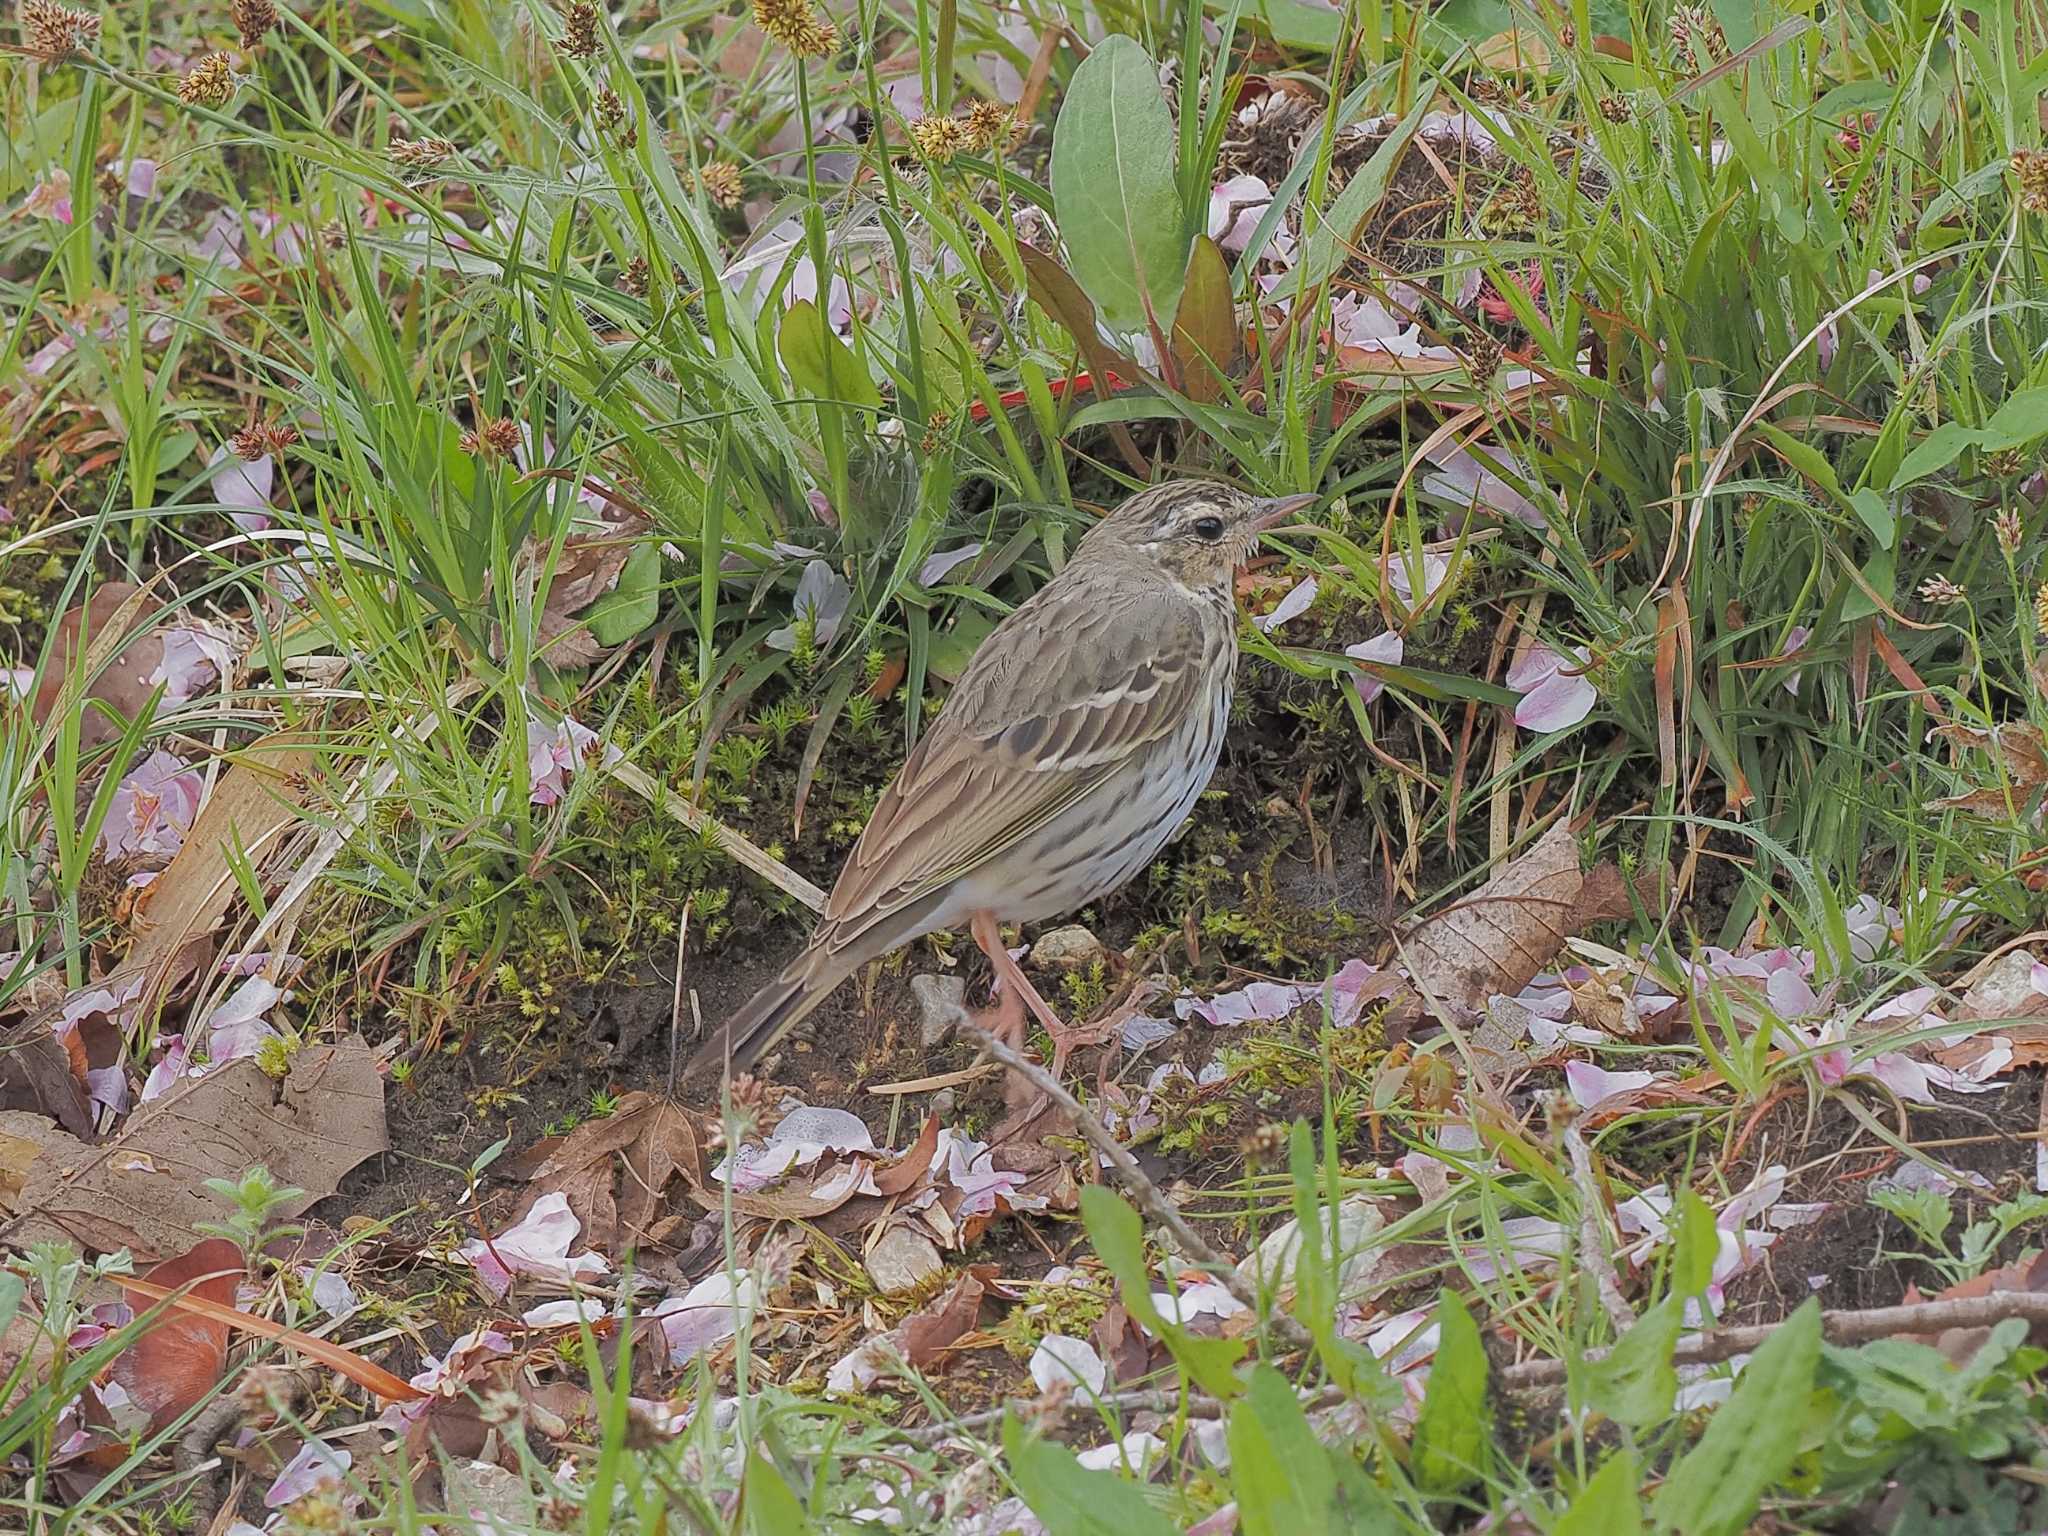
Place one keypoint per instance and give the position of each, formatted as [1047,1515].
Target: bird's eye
[1210,528]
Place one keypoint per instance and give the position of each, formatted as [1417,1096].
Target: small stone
[941,1008]
[902,1261]
[2007,990]
[944,1102]
[1072,948]
[1271,1266]
[489,1493]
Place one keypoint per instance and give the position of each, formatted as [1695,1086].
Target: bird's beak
[1277,509]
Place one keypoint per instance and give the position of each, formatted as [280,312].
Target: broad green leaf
[1635,1383]
[1697,1245]
[631,605]
[12,1289]
[1287,1481]
[1754,1437]
[1119,1237]
[1113,188]
[1299,24]
[1071,1500]
[2018,422]
[1876,514]
[1609,1505]
[1936,451]
[1881,572]
[1278,1469]
[772,1509]
[954,646]
[1451,1432]
[819,363]
[1804,457]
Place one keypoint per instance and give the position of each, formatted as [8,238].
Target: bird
[1069,752]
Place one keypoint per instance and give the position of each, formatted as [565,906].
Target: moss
[1071,1310]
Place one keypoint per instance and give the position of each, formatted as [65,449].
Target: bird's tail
[772,1012]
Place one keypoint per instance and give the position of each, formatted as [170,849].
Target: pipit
[1069,752]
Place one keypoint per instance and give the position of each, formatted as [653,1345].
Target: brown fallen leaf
[146,1189]
[180,1355]
[1960,1344]
[587,568]
[24,1137]
[36,1074]
[366,1374]
[111,615]
[1122,1344]
[925,1336]
[252,805]
[615,1172]
[2020,766]
[818,1191]
[1504,933]
[914,1164]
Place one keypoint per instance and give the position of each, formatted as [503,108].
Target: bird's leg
[1015,986]
[1005,1020]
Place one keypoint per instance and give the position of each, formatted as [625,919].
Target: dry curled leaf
[180,1354]
[2020,760]
[914,1164]
[615,1172]
[1499,937]
[114,613]
[146,1189]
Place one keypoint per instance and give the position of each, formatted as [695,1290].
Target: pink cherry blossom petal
[941,562]
[1292,606]
[1386,647]
[1556,693]
[1589,1085]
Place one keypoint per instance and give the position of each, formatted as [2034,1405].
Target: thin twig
[1538,1375]
[1155,1205]
[1839,1327]
[1592,1228]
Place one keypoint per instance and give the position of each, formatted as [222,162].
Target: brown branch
[1715,1344]
[1156,1206]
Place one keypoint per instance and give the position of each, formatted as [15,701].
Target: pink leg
[1018,994]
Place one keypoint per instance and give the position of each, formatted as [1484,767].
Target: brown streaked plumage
[1069,752]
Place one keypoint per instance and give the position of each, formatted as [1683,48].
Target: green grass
[1789,385]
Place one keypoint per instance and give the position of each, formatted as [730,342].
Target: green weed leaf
[1635,1383]
[2018,422]
[772,1509]
[1451,1433]
[1278,1470]
[1113,188]
[819,363]
[1119,1237]
[1753,1440]
[1070,1499]
[1608,1505]
[1936,451]
[1698,1244]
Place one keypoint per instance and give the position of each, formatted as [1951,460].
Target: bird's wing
[1064,691]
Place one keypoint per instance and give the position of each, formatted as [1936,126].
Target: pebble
[941,1007]
[1272,1265]
[1072,948]
[488,1493]
[902,1261]
[944,1102]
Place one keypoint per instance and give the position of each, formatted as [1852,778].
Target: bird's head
[1199,531]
